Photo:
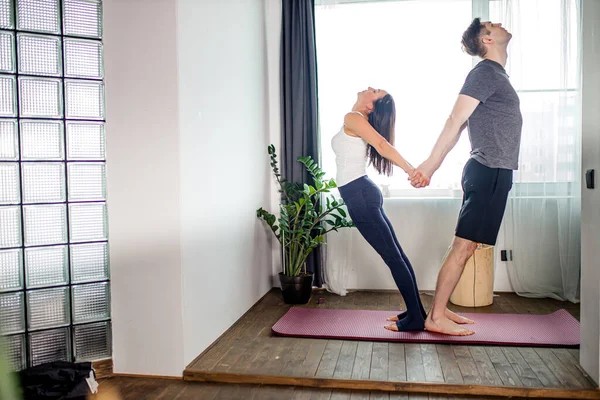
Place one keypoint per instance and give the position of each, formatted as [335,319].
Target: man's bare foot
[459,319]
[446,327]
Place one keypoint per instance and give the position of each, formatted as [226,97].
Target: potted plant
[304,220]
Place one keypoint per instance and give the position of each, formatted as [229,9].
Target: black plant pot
[296,289]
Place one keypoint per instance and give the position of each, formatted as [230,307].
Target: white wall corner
[273,15]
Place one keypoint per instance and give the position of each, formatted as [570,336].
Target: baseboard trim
[406,387]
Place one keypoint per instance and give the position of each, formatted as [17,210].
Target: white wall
[273,42]
[224,164]
[143,186]
[187,168]
[590,198]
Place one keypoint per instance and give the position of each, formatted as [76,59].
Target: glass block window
[7,55]
[54,253]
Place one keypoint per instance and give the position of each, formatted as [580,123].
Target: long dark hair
[383,120]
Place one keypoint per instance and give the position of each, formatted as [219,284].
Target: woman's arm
[360,127]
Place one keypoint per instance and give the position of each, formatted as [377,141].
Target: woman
[367,137]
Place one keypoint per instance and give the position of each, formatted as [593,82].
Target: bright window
[412,49]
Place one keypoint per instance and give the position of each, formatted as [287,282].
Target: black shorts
[485,191]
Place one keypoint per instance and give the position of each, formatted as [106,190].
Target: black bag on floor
[59,380]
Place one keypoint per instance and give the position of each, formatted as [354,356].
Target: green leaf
[342,212]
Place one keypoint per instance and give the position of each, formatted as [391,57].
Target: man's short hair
[471,38]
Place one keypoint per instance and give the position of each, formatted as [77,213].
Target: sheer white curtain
[336,260]
[542,222]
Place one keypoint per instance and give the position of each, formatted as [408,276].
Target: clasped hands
[421,176]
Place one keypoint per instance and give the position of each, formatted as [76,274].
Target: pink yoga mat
[557,329]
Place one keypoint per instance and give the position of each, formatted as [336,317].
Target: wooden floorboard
[449,364]
[386,386]
[504,369]
[487,371]
[541,370]
[521,368]
[345,362]
[362,361]
[572,365]
[123,388]
[431,363]
[329,360]
[415,370]
[250,347]
[466,365]
[396,362]
[379,368]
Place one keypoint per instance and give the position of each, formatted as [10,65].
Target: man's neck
[498,55]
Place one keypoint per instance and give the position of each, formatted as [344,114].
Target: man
[490,106]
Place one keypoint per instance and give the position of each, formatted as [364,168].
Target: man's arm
[455,124]
[361,127]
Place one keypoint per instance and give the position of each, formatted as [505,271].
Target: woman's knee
[392,258]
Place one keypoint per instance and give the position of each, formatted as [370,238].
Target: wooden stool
[476,285]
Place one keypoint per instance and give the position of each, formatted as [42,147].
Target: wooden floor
[249,347]
[120,388]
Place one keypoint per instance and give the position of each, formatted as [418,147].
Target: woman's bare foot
[391,327]
[446,327]
[395,317]
[459,319]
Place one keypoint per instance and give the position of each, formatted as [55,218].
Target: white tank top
[350,157]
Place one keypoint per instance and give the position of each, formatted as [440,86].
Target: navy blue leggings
[365,206]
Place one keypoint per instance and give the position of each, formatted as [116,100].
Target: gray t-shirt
[495,125]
